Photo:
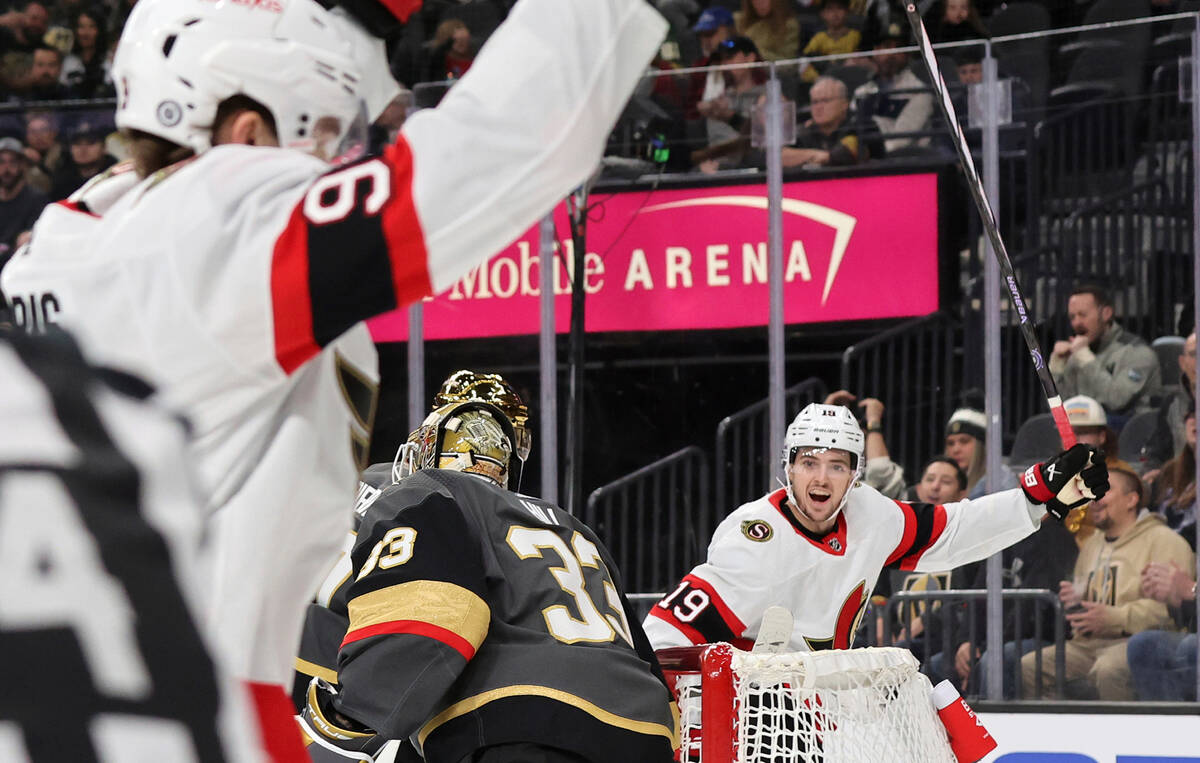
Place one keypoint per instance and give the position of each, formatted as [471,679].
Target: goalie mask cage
[840,706]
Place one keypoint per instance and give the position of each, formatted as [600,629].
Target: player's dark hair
[1132,481]
[958,470]
[235,103]
[1098,292]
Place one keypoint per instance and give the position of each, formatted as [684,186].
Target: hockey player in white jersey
[235,273]
[817,545]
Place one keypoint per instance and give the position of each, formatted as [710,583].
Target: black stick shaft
[975,185]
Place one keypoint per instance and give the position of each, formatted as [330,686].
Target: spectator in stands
[1168,438]
[45,70]
[1090,425]
[714,27]
[1163,662]
[88,159]
[729,113]
[837,37]
[942,481]
[20,204]
[451,52]
[773,27]
[1106,605]
[85,72]
[954,21]
[1103,360]
[969,64]
[1173,491]
[42,148]
[1037,562]
[21,31]
[919,627]
[966,432]
[828,138]
[881,472]
[895,101]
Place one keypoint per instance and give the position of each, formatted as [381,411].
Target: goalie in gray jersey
[325,623]
[485,625]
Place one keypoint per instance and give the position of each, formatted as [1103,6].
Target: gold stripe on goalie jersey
[471,704]
[444,605]
[315,670]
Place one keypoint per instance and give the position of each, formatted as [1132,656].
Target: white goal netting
[842,706]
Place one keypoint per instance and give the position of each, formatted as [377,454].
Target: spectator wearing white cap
[1090,424]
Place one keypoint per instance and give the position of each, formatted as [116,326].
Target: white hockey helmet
[824,426]
[177,60]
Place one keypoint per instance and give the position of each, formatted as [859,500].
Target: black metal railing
[655,521]
[746,462]
[968,626]
[916,370]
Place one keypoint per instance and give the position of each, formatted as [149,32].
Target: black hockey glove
[331,737]
[1070,479]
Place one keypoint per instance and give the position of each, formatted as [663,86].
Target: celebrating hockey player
[234,273]
[485,625]
[817,545]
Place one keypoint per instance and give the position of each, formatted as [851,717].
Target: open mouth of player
[820,498]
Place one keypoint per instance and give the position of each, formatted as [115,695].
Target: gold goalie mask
[465,385]
[473,437]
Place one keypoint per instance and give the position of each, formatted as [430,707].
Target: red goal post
[838,706]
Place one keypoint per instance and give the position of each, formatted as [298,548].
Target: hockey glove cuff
[1070,479]
[331,737]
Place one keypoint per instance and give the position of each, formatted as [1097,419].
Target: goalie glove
[1070,479]
[331,737]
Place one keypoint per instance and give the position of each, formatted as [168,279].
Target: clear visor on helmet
[338,143]
[524,442]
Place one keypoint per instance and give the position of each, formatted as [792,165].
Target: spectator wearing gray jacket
[1103,360]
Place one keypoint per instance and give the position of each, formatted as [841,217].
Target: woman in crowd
[451,52]
[1173,492]
[85,70]
[773,27]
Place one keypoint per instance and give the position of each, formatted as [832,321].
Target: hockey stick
[775,630]
[993,231]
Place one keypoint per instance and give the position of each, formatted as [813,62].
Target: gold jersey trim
[315,670]
[470,704]
[444,605]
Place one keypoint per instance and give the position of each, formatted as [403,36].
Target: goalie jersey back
[523,599]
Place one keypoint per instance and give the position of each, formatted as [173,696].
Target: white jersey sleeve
[975,529]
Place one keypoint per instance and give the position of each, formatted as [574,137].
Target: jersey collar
[832,542]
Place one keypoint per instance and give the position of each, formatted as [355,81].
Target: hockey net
[840,706]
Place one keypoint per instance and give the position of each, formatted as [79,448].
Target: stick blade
[775,630]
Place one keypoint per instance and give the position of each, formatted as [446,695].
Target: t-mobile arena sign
[854,249]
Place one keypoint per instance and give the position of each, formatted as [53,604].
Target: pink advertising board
[854,249]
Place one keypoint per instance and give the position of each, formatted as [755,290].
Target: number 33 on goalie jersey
[478,616]
[759,557]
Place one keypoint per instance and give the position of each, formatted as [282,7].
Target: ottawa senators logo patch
[757,530]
